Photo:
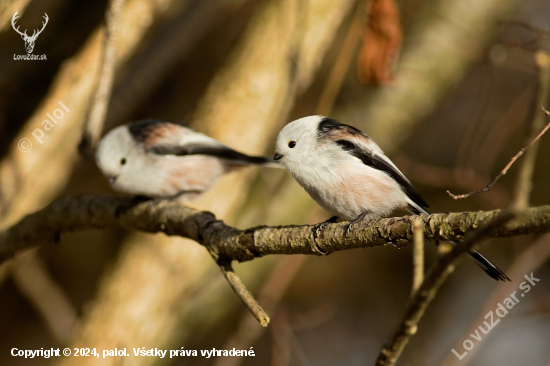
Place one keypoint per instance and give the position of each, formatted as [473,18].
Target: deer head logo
[29,41]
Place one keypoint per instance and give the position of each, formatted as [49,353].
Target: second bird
[161,159]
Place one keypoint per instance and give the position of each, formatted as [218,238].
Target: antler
[34,34]
[17,29]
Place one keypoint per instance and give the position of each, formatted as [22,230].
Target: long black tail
[489,268]
[493,271]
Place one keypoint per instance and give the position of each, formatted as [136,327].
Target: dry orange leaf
[381,43]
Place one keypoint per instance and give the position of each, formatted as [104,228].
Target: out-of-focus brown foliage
[381,44]
[460,104]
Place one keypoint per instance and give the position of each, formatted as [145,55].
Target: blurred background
[450,89]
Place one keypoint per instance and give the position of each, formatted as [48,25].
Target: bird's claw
[154,202]
[361,217]
[348,229]
[318,228]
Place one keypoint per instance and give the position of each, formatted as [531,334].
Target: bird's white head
[297,141]
[116,155]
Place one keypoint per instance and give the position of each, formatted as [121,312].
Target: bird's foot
[361,217]
[154,202]
[318,228]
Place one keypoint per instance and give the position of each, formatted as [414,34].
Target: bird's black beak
[277,156]
[112,179]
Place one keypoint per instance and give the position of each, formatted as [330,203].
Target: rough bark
[228,243]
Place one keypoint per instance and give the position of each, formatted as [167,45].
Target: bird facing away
[348,175]
[161,159]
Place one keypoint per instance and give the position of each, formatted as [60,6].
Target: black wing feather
[372,160]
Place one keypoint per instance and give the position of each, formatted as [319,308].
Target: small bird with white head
[161,159]
[348,175]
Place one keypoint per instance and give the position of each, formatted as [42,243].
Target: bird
[161,159]
[349,175]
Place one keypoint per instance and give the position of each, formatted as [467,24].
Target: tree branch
[228,243]
[244,294]
[418,255]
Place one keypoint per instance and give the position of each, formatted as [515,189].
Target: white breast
[346,187]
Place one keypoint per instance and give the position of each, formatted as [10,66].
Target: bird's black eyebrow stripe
[375,162]
[139,130]
[218,151]
[329,126]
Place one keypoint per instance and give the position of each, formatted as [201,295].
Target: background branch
[418,255]
[97,109]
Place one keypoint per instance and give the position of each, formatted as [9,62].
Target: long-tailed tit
[346,173]
[161,159]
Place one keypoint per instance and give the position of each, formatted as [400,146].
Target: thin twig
[416,307]
[247,332]
[505,170]
[418,256]
[243,293]
[100,101]
[438,176]
[525,177]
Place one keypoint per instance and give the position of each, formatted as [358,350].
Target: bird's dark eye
[291,144]
[122,161]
